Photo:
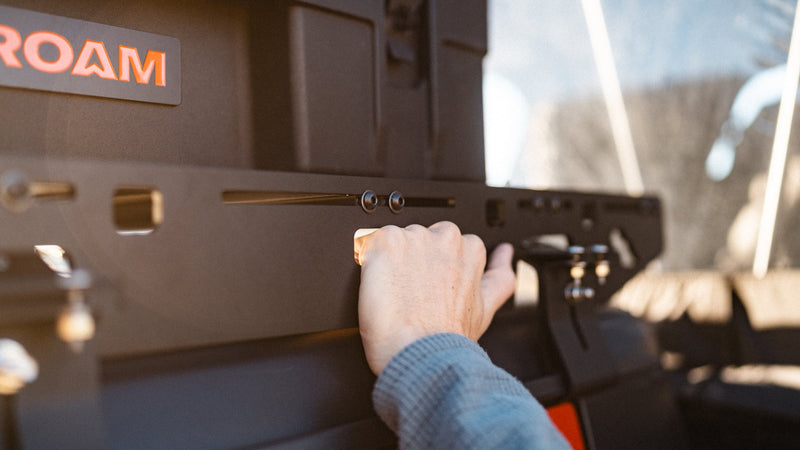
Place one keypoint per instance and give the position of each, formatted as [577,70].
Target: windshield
[674,98]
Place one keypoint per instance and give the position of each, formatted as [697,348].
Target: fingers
[501,257]
[364,242]
[419,281]
[448,229]
[359,247]
[473,246]
[497,284]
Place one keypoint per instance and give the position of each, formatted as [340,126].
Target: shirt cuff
[411,370]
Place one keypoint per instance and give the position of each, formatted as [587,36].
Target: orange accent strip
[565,419]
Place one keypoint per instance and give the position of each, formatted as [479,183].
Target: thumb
[497,284]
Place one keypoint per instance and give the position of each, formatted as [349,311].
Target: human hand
[420,281]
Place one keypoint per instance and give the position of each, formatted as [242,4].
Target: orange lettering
[10,44]
[154,61]
[83,68]
[31,51]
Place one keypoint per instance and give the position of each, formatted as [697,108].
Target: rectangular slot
[633,205]
[622,245]
[248,197]
[558,241]
[526,291]
[47,190]
[495,212]
[137,210]
[287,198]
[430,202]
[56,258]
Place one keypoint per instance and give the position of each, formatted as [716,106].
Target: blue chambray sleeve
[443,391]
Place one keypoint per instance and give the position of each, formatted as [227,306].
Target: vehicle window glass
[682,94]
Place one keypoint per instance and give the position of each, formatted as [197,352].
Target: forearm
[443,391]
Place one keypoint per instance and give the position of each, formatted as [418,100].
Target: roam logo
[57,54]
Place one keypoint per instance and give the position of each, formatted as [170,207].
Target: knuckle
[415,228]
[474,244]
[390,232]
[448,230]
[388,237]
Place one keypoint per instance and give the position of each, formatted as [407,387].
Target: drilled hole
[137,210]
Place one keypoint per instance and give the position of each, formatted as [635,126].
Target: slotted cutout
[526,291]
[138,211]
[250,197]
[559,241]
[621,245]
[56,258]
[18,192]
[495,212]
[234,197]
[46,190]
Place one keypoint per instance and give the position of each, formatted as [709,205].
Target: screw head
[369,201]
[16,194]
[396,202]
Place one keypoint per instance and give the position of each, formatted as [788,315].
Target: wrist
[382,350]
